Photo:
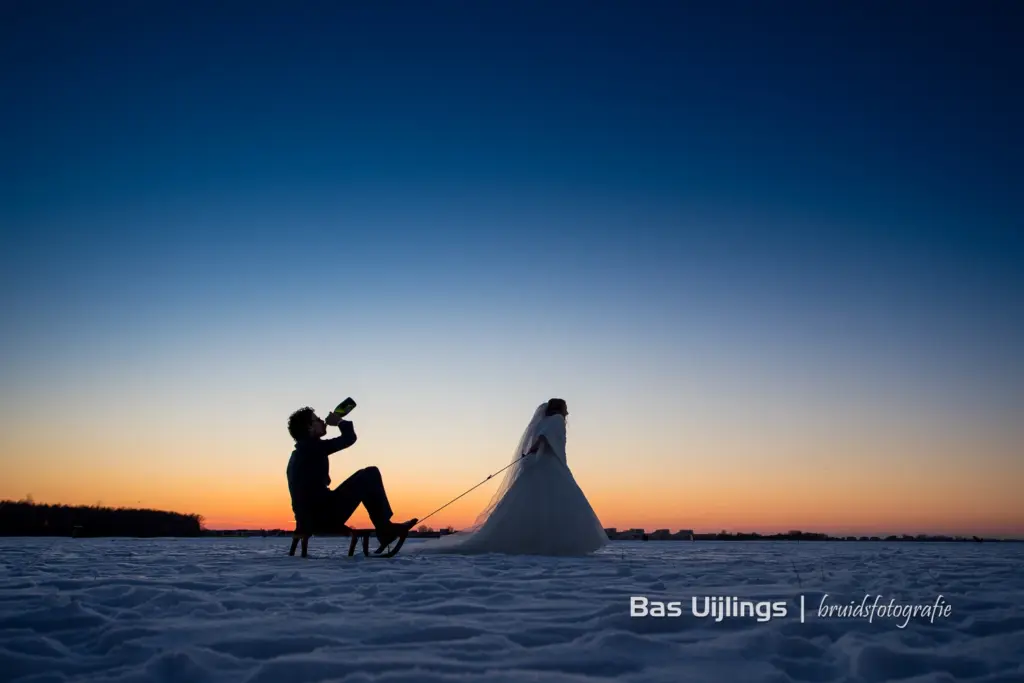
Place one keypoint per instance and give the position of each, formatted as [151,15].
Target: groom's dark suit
[314,503]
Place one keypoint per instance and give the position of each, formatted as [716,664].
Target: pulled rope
[489,476]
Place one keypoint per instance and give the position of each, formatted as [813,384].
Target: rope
[489,476]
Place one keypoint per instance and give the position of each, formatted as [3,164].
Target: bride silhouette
[539,509]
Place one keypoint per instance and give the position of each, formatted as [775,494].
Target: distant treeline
[427,532]
[801,536]
[26,518]
[811,536]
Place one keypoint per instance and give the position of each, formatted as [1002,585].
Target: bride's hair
[556,406]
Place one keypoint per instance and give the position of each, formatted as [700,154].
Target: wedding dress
[539,509]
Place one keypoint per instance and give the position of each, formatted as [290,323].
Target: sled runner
[389,550]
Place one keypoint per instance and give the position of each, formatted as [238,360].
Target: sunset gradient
[774,267]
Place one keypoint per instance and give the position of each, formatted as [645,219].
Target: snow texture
[221,610]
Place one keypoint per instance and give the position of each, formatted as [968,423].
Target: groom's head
[304,424]
[557,406]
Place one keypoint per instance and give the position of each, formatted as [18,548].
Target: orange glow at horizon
[756,503]
[642,471]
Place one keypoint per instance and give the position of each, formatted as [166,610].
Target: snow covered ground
[236,609]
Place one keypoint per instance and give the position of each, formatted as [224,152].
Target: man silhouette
[316,506]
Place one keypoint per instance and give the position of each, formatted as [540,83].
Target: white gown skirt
[544,512]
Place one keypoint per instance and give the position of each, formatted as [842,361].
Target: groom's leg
[366,487]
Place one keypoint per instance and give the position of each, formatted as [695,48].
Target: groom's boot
[393,531]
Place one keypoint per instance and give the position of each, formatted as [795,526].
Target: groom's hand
[332,419]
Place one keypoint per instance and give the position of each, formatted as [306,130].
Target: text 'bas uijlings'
[717,608]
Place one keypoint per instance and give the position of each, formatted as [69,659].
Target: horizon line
[224,526]
[695,532]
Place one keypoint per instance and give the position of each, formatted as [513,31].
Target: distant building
[660,535]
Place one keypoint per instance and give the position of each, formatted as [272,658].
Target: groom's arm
[338,443]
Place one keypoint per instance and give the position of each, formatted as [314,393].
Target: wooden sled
[389,550]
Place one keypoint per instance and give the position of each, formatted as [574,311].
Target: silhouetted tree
[24,518]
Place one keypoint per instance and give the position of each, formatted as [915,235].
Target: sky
[771,256]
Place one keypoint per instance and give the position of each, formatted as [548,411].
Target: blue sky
[812,210]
